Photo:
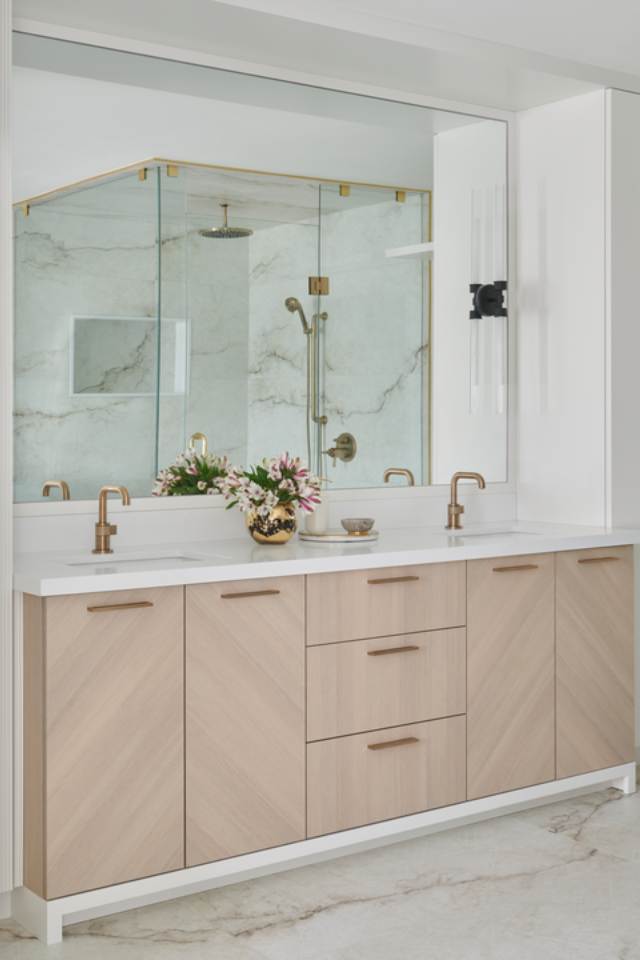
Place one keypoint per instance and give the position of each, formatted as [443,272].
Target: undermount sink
[173,560]
[477,534]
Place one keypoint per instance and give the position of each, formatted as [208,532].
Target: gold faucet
[455,509]
[105,530]
[200,438]
[399,472]
[60,485]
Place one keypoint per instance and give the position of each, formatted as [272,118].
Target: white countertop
[59,573]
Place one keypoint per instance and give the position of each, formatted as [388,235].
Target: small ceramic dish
[357,526]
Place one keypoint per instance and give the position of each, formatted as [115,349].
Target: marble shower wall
[91,281]
[205,281]
[91,254]
[374,340]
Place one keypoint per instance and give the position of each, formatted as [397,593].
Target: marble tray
[339,536]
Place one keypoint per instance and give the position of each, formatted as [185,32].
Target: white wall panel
[561,311]
[623,306]
[6,426]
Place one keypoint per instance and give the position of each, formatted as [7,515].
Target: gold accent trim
[26,209]
[318,286]
[133,605]
[344,190]
[172,170]
[154,162]
[142,173]
[401,196]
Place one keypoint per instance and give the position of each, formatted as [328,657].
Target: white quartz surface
[59,573]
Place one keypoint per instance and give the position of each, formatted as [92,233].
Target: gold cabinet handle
[392,580]
[383,653]
[249,593]
[402,742]
[596,559]
[134,605]
[516,566]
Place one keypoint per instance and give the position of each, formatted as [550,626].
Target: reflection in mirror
[267,311]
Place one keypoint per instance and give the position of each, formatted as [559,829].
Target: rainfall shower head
[225,232]
[293,305]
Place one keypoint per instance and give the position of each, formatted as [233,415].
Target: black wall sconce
[487,299]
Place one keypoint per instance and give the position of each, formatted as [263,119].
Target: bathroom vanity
[191,725]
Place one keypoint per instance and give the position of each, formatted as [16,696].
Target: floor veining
[558,881]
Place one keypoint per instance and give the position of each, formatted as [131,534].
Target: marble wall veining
[87,255]
[104,393]
[374,343]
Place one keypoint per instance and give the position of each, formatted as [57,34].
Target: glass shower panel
[85,339]
[245,371]
[174,329]
[375,350]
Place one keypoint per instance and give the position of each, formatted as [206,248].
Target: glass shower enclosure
[141,321]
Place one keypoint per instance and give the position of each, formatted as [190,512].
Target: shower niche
[268,312]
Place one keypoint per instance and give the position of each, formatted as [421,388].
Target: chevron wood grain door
[511,673]
[104,773]
[245,717]
[595,685]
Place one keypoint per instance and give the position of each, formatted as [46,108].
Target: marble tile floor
[558,881]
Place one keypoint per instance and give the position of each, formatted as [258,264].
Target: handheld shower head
[293,305]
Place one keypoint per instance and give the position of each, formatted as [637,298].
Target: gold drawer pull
[249,593]
[596,559]
[134,605]
[392,743]
[393,580]
[516,566]
[386,650]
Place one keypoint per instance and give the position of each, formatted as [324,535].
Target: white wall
[469,361]
[6,470]
[623,307]
[67,128]
[561,311]
[623,326]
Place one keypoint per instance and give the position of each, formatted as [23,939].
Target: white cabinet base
[45,919]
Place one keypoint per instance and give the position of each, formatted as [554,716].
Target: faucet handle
[106,529]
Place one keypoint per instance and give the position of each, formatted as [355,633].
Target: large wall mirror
[270,266]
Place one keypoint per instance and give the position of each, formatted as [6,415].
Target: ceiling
[500,54]
[597,34]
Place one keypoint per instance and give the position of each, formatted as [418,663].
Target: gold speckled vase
[278,527]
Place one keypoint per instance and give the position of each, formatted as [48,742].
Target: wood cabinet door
[245,717]
[113,737]
[595,685]
[510,658]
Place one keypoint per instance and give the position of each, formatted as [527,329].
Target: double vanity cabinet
[175,726]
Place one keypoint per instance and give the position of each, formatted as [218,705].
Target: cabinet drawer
[391,601]
[370,684]
[388,773]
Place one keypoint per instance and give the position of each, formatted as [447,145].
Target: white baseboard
[45,919]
